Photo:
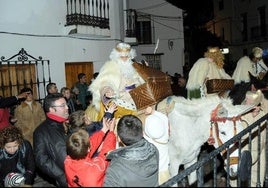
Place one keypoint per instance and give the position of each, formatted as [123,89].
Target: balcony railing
[93,13]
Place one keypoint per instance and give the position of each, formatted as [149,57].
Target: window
[244,26]
[221,5]
[262,21]
[144,31]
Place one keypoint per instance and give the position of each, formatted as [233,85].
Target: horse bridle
[214,121]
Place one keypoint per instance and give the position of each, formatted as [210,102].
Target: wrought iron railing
[93,13]
[24,70]
[211,158]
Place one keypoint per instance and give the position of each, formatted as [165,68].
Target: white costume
[156,131]
[204,69]
[245,65]
[117,76]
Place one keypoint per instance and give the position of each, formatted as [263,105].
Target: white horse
[257,150]
[190,123]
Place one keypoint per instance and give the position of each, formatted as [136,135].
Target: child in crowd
[16,158]
[80,168]
[66,92]
[156,131]
[79,119]
[136,163]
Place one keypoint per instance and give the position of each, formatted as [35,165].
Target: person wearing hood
[136,162]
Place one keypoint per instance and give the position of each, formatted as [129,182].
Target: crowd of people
[58,144]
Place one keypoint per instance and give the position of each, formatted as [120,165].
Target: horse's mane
[238,93]
[199,106]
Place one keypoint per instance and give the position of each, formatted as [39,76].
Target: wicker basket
[217,85]
[156,87]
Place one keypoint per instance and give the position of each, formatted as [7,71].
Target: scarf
[56,118]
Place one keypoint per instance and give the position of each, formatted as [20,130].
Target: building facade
[86,31]
[241,25]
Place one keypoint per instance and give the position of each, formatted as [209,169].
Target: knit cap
[14,180]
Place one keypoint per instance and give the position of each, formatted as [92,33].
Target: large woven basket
[217,85]
[157,86]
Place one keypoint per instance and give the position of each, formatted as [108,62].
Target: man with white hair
[253,64]
[114,81]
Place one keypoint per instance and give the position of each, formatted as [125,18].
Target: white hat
[257,52]
[14,180]
[156,128]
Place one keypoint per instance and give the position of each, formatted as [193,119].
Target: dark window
[144,33]
[262,21]
[244,26]
[221,5]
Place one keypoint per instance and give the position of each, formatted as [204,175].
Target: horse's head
[227,130]
[225,126]
[260,83]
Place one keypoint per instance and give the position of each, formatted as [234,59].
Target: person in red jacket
[5,104]
[81,168]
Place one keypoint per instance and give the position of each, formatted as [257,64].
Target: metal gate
[23,70]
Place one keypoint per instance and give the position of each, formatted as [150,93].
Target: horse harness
[214,119]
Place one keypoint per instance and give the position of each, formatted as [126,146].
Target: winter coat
[28,119]
[5,103]
[49,144]
[111,76]
[243,66]
[20,162]
[203,69]
[133,166]
[83,93]
[89,172]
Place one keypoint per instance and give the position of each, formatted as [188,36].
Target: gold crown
[213,50]
[123,50]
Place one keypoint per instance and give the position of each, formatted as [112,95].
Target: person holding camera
[29,114]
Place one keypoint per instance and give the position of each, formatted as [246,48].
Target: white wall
[38,26]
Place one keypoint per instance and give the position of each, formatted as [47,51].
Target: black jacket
[49,144]
[8,102]
[21,162]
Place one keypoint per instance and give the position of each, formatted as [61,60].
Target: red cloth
[90,171]
[4,117]
[56,118]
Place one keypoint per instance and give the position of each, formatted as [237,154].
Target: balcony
[91,18]
[88,17]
